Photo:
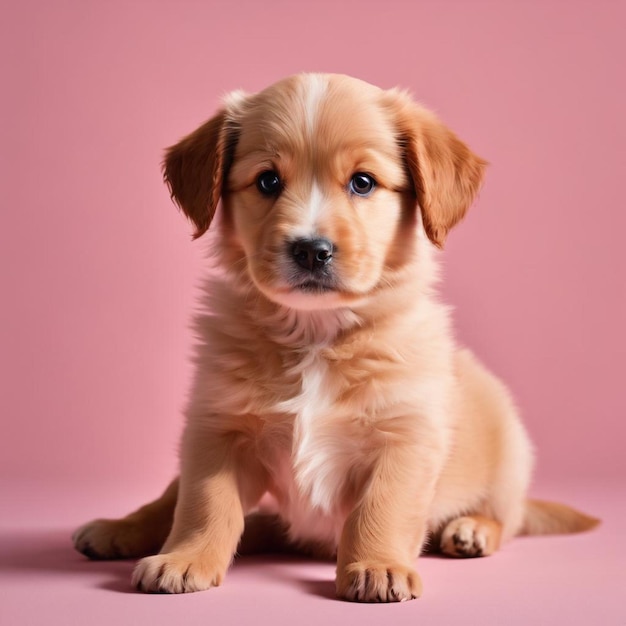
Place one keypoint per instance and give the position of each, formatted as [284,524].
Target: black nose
[312,254]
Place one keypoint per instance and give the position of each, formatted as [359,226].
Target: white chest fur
[312,474]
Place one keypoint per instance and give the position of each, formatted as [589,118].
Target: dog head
[325,183]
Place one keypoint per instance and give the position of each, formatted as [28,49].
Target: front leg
[383,535]
[220,481]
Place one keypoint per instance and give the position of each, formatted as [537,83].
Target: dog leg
[218,484]
[383,534]
[141,533]
[471,536]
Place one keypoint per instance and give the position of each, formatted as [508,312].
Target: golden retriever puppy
[327,374]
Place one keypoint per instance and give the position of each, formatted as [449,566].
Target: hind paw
[471,536]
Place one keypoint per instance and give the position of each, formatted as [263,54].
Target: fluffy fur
[331,381]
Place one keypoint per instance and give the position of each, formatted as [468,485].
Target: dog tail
[552,518]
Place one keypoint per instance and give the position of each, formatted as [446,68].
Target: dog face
[321,178]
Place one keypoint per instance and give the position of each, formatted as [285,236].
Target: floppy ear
[446,174]
[194,170]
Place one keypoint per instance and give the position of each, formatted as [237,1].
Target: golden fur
[347,400]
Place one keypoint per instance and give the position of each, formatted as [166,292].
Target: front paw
[177,572]
[371,581]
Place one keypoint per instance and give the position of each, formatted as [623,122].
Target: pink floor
[545,580]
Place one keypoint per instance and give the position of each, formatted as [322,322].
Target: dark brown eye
[362,184]
[269,183]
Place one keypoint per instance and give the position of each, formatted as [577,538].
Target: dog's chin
[309,295]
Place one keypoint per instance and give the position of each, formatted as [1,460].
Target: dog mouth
[312,282]
[302,283]
[315,281]
[308,293]
[314,286]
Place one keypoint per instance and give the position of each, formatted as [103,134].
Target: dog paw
[176,572]
[468,537]
[366,581]
[112,539]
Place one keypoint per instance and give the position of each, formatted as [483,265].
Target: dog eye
[269,183]
[362,184]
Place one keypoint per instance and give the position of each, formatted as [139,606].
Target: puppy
[327,374]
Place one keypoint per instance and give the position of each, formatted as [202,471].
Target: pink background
[98,277]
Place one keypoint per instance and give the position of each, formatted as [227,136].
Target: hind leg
[144,532]
[471,536]
[141,533]
[490,469]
